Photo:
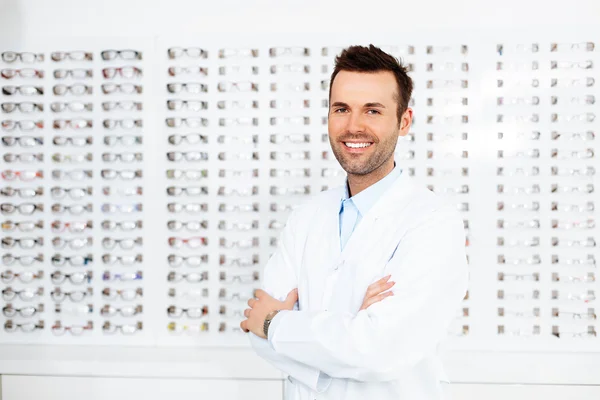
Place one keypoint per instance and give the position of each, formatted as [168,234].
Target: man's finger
[377,288]
[258,293]
[378,298]
[251,302]
[243,326]
[291,298]
[247,312]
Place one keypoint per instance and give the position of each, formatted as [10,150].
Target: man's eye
[373,112]
[340,110]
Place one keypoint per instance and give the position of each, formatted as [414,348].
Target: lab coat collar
[365,200]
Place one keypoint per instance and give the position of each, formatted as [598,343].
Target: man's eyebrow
[339,104]
[374,105]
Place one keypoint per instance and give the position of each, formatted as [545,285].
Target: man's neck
[358,183]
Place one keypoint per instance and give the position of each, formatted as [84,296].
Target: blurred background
[152,151]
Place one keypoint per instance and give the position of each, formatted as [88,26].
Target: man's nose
[355,123]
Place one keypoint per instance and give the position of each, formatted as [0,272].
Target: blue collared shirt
[353,208]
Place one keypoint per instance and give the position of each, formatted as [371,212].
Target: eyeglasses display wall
[145,183]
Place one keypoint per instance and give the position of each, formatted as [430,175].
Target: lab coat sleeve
[390,337]
[279,278]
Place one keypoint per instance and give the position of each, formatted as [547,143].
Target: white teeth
[357,145]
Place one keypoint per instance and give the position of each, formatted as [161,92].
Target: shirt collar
[368,197]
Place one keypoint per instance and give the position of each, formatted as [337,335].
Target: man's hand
[261,306]
[377,292]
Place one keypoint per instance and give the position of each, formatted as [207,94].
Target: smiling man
[367,277]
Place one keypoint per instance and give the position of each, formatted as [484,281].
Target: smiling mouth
[357,145]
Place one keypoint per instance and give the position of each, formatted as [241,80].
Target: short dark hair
[373,59]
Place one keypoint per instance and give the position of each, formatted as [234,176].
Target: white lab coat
[331,350]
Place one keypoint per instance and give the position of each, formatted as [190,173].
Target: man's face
[363,122]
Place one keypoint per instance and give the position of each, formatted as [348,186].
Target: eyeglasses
[190,261]
[533,171]
[27,73]
[531,224]
[25,125]
[71,55]
[242,121]
[126,277]
[191,52]
[190,208]
[125,329]
[589,333]
[126,244]
[22,226]
[23,208]
[587,242]
[242,244]
[110,259]
[190,87]
[439,83]
[290,68]
[582,100]
[589,188]
[278,207]
[587,315]
[75,106]
[240,191]
[295,87]
[75,296]
[292,138]
[74,261]
[590,260]
[589,277]
[75,330]
[125,294]
[126,174]
[245,278]
[74,193]
[572,47]
[196,69]
[27,294]
[191,312]
[109,55]
[123,192]
[25,277]
[76,278]
[587,82]
[23,193]
[76,141]
[191,243]
[25,57]
[27,175]
[72,158]
[289,191]
[237,225]
[79,123]
[193,138]
[77,310]
[187,174]
[179,328]
[121,208]
[126,311]
[588,171]
[586,296]
[533,206]
[191,295]
[226,261]
[77,73]
[533,260]
[190,226]
[189,156]
[448,66]
[254,207]
[192,277]
[240,53]
[77,89]
[74,244]
[234,173]
[246,86]
[122,105]
[22,141]
[533,242]
[237,104]
[9,259]
[289,155]
[190,191]
[237,140]
[25,90]
[191,105]
[124,226]
[73,209]
[124,72]
[24,243]
[124,88]
[518,190]
[289,51]
[238,70]
[24,107]
[188,122]
[122,123]
[125,140]
[28,327]
[74,175]
[586,117]
[533,313]
[26,312]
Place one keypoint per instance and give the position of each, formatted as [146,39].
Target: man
[378,267]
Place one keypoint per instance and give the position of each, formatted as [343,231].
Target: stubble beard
[357,165]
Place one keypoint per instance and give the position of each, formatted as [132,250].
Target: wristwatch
[267,322]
